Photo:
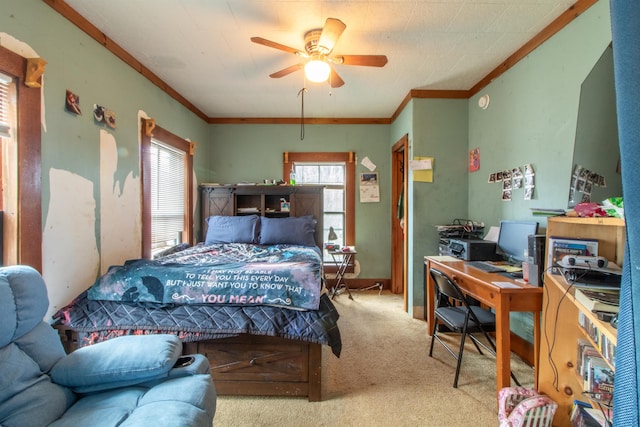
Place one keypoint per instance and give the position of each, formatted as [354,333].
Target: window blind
[167,194]
[5,121]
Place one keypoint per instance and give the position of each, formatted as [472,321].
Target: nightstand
[342,258]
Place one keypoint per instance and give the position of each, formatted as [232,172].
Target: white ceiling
[202,48]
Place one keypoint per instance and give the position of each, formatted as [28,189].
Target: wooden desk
[503,300]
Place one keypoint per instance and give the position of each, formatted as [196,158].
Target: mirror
[596,154]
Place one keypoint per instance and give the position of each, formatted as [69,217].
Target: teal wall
[77,62]
[254,153]
[72,146]
[439,131]
[532,118]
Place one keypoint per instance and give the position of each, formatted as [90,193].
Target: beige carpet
[384,377]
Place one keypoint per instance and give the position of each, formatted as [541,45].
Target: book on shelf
[585,351]
[599,300]
[559,247]
[600,380]
[605,346]
[248,210]
[588,417]
[601,284]
[583,414]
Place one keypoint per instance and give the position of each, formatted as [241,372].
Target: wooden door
[399,225]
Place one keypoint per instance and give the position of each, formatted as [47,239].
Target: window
[5,105]
[167,191]
[336,171]
[167,195]
[8,201]
[332,176]
[21,165]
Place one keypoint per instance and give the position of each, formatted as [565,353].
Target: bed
[250,298]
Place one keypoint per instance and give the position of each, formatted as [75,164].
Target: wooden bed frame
[263,365]
[256,365]
[250,365]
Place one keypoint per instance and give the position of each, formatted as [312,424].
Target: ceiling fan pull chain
[302,91]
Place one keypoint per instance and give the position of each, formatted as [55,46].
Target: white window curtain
[167,195]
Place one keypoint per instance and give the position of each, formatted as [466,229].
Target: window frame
[348,158]
[289,158]
[168,138]
[29,140]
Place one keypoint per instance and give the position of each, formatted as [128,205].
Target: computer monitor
[513,239]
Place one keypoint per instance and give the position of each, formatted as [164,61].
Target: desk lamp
[331,237]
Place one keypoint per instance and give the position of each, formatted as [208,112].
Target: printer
[470,250]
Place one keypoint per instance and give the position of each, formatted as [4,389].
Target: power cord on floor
[378,285]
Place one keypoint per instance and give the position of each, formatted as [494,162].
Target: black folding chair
[455,310]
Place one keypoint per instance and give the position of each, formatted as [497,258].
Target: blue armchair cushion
[119,362]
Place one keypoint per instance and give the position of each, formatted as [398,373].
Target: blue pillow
[293,231]
[232,229]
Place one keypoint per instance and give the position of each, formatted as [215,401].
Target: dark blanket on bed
[97,320]
[232,273]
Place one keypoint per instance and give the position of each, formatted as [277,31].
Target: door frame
[399,240]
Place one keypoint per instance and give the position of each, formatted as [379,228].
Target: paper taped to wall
[367,163]
[418,165]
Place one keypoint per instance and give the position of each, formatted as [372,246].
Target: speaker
[537,243]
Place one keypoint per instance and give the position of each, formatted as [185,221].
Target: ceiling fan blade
[333,29]
[335,79]
[366,60]
[286,71]
[275,45]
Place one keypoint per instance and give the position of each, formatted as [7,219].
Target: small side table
[342,260]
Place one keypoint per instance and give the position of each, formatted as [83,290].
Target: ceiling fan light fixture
[317,70]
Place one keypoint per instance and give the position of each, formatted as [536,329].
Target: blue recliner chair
[126,381]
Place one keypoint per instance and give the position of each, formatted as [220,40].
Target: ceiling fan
[318,45]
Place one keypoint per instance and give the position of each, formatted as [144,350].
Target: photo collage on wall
[515,179]
[582,182]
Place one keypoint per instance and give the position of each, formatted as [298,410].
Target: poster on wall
[422,168]
[369,187]
[474,159]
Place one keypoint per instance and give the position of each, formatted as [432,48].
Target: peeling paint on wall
[120,210]
[69,248]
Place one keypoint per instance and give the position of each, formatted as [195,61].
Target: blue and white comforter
[221,274]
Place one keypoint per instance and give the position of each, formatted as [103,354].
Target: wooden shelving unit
[557,376]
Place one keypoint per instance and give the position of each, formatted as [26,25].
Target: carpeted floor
[384,377]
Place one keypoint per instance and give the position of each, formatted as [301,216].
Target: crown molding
[298,120]
[579,7]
